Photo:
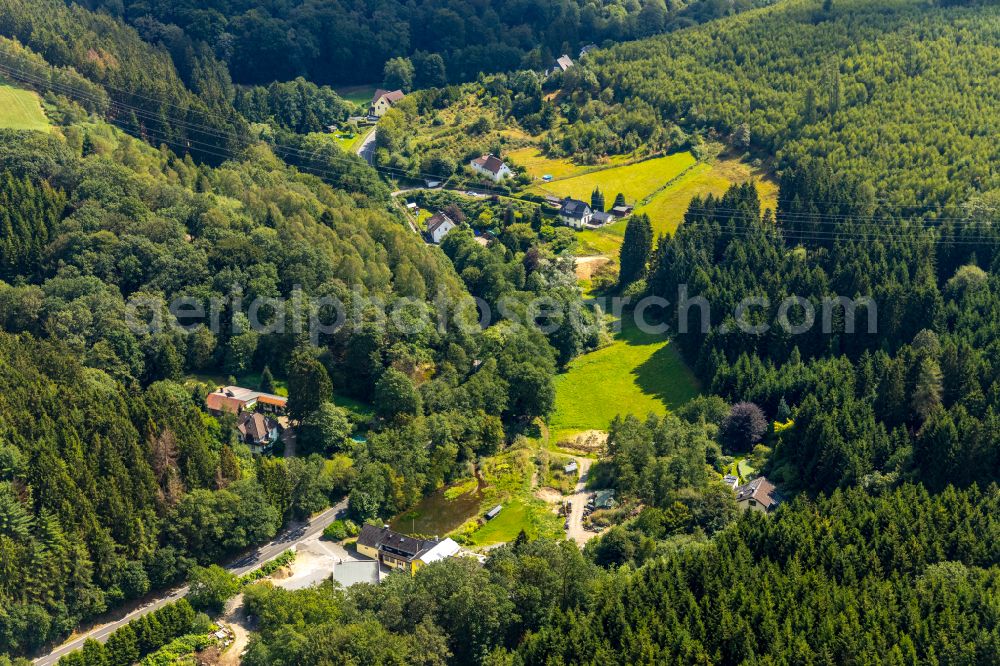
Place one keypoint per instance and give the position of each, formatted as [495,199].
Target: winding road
[287,538]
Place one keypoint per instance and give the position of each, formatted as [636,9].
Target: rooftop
[437,220]
[391,96]
[574,208]
[490,163]
[385,540]
[760,490]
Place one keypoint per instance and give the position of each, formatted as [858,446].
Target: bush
[336,531]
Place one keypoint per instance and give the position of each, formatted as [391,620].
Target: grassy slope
[666,209]
[21,109]
[639,373]
[635,181]
[538,165]
[361,95]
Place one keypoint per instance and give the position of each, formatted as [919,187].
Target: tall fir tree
[635,250]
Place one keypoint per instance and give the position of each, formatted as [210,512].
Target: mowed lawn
[640,373]
[636,181]
[538,165]
[666,210]
[21,109]
[360,95]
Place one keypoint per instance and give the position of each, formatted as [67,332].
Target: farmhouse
[438,226]
[758,495]
[398,551]
[492,167]
[236,400]
[258,431]
[382,101]
[575,213]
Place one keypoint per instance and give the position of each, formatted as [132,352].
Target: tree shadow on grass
[665,376]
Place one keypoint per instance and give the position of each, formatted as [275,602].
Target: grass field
[21,109]
[361,95]
[636,181]
[666,209]
[538,165]
[639,373]
[508,481]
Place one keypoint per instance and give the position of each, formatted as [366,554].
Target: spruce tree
[266,381]
[635,249]
[619,200]
[309,384]
[597,200]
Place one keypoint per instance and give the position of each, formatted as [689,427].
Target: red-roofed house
[236,399]
[759,495]
[383,100]
[492,167]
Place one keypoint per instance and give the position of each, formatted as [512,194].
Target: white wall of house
[442,230]
[574,222]
[504,172]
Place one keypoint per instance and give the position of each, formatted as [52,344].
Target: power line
[284,150]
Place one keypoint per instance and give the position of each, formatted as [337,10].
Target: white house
[563,63]
[492,167]
[438,226]
[383,100]
[575,213]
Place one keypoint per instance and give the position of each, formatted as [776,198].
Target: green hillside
[897,92]
[21,109]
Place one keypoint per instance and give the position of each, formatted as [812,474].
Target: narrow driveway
[578,501]
[287,538]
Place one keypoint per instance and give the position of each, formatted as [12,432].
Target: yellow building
[398,551]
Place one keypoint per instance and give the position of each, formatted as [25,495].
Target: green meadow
[21,109]
[639,373]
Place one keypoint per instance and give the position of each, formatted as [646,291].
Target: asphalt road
[287,538]
[366,149]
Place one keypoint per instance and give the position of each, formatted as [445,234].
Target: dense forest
[113,479]
[901,578]
[343,42]
[900,93]
[911,392]
[161,178]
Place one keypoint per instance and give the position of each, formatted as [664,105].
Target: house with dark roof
[600,218]
[402,552]
[758,495]
[492,167]
[257,431]
[575,213]
[622,211]
[438,226]
[383,100]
